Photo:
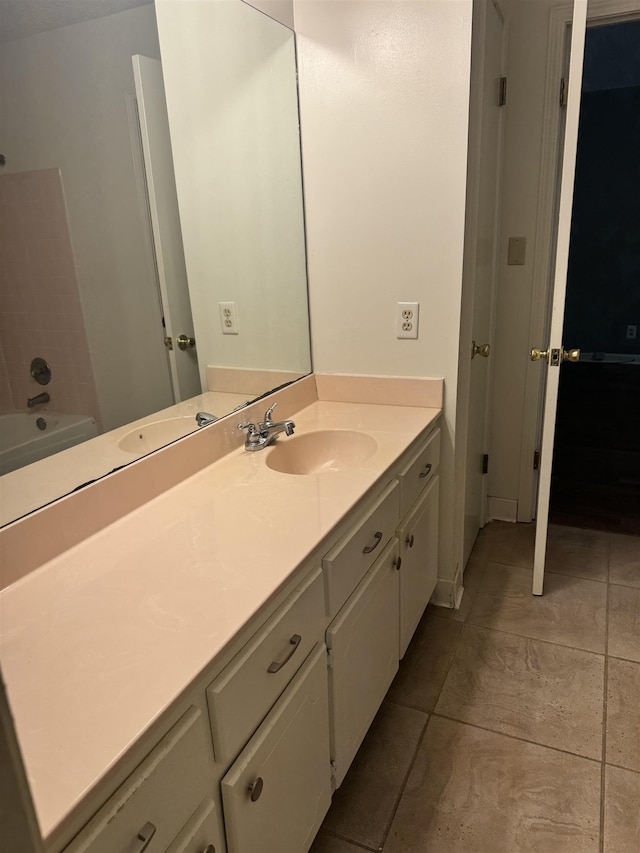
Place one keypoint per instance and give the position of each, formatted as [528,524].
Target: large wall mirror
[151,229]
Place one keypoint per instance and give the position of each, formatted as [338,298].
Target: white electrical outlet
[632,332]
[228,318]
[407,315]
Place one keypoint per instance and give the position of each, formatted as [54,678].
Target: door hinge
[536,460]
[563,92]
[485,463]
[502,92]
[329,659]
[334,769]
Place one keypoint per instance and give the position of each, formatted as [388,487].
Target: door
[481,245]
[555,354]
[165,226]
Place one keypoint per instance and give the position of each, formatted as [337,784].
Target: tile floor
[513,725]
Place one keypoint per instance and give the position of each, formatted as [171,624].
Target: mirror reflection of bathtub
[27,437]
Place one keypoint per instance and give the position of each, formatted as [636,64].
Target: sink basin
[156,434]
[324,450]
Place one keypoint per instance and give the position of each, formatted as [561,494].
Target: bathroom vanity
[198,676]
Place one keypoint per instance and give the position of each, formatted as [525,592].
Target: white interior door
[554,350]
[165,225]
[481,249]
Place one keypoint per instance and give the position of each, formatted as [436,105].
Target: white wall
[67,100]
[233,117]
[384,95]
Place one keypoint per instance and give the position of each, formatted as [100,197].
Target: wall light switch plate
[228,318]
[517,251]
[632,333]
[407,316]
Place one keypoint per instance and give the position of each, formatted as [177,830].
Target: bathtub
[22,442]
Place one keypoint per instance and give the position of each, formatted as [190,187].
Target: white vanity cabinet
[418,537]
[363,653]
[159,798]
[418,533]
[269,730]
[278,791]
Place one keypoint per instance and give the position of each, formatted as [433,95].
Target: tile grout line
[535,639]
[385,835]
[387,829]
[603,771]
[516,737]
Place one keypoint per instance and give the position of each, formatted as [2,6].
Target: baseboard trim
[502,509]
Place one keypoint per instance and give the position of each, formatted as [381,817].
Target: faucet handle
[268,413]
[250,426]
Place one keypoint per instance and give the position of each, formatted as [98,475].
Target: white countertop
[97,643]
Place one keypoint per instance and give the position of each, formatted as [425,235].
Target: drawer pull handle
[144,836]
[397,563]
[209,849]
[410,540]
[369,548]
[427,471]
[276,665]
[255,789]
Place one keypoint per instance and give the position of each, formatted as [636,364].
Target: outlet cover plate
[228,318]
[407,317]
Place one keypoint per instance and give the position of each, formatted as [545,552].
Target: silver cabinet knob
[144,837]
[410,540]
[255,789]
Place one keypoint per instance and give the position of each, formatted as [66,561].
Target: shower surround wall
[40,310]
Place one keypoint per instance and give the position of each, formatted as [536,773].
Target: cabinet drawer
[277,793]
[240,698]
[351,558]
[202,834]
[363,640]
[419,471]
[157,799]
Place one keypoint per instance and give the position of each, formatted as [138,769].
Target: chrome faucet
[39,398]
[266,432]
[204,418]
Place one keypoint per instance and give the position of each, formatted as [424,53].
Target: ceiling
[19,18]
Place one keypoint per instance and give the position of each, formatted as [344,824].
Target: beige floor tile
[473,791]
[623,714]
[621,811]
[624,622]
[539,691]
[571,611]
[424,667]
[625,560]
[363,806]
[511,543]
[577,552]
[327,843]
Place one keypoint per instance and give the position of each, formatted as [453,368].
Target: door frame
[469,265]
[543,260]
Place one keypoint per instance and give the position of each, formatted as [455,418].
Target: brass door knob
[536,354]
[185,342]
[571,354]
[480,349]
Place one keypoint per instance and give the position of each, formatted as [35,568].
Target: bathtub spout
[38,399]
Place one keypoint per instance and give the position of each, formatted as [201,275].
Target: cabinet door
[418,537]
[278,791]
[363,640]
